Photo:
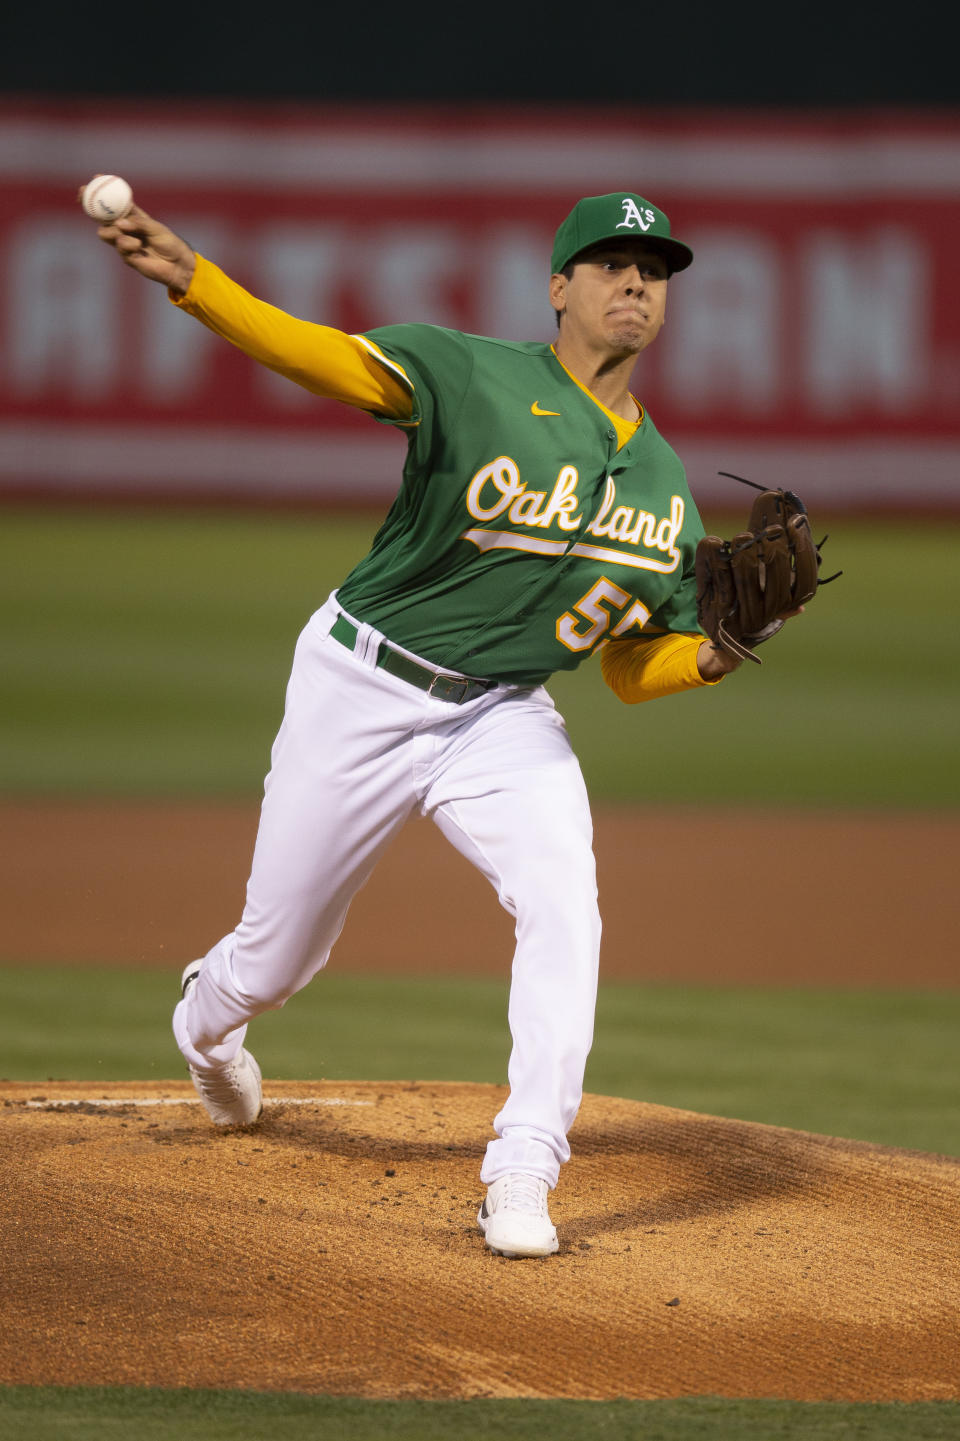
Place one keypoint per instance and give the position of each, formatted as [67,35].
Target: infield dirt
[156,884]
[334,1249]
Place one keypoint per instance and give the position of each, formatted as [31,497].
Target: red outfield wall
[815,341]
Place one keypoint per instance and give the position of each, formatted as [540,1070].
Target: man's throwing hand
[149,247]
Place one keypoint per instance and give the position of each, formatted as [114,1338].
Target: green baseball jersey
[521,537]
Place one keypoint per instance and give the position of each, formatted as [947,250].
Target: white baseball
[107,198]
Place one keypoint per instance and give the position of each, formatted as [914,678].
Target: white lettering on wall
[721,336]
[406,273]
[866,305]
[512,299]
[64,307]
[826,324]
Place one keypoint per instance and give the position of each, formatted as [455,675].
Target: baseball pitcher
[540,518]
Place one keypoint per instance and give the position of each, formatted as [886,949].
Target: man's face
[616,298]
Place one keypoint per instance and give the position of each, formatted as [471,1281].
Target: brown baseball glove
[746,586]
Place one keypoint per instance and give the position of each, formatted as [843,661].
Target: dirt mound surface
[334,1249]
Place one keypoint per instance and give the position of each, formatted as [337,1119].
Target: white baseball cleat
[232,1093]
[514,1217]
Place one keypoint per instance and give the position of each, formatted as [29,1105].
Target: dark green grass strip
[868,1065]
[107,1414]
[147,654]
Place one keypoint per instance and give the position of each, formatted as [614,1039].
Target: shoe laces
[525,1193]
[222,1085]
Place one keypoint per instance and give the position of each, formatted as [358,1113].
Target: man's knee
[563,875]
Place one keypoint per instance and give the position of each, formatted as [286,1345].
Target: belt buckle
[449,688]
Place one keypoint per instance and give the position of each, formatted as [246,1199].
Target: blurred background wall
[371,165]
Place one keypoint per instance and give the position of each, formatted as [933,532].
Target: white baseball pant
[358,749]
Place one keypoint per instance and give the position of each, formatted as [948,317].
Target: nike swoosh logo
[535,410]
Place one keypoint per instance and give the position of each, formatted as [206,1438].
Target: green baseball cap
[617,216]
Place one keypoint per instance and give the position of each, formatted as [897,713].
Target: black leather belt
[453,688]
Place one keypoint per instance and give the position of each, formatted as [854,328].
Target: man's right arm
[321,359]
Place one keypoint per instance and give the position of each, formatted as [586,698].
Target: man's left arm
[645,667]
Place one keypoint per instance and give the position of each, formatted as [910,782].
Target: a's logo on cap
[632,216]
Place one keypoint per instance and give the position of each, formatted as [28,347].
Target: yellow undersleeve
[322,360]
[645,667]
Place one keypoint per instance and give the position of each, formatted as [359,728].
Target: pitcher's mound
[334,1249]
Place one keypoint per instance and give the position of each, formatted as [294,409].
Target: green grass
[874,1066]
[105,1414]
[147,653]
[855,703]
